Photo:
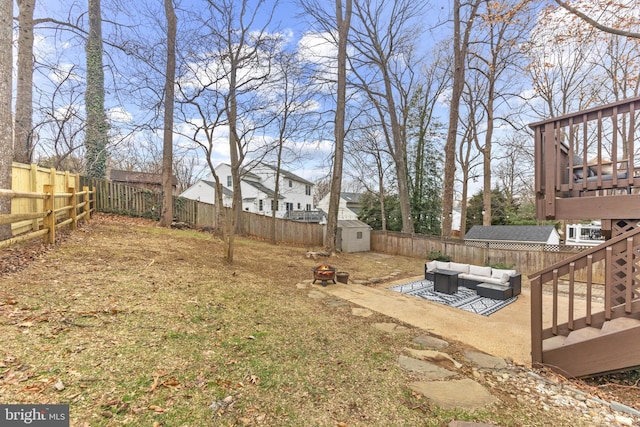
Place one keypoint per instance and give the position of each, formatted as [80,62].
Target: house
[144,180]
[584,234]
[348,208]
[257,185]
[204,191]
[512,236]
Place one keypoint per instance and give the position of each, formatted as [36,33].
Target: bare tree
[591,21]
[384,63]
[460,49]
[24,89]
[167,151]
[368,146]
[292,106]
[6,119]
[500,28]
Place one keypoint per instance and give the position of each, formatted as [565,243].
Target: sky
[59,47]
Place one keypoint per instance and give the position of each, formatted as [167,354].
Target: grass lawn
[132,324]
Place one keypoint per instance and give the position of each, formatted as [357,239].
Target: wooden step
[619,324]
[580,335]
[553,342]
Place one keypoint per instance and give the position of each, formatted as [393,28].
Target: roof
[225,190]
[352,223]
[139,177]
[511,233]
[265,190]
[351,197]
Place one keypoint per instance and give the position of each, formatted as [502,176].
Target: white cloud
[119,115]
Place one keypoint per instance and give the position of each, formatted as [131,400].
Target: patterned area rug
[465,299]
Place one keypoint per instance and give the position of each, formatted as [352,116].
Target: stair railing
[619,296]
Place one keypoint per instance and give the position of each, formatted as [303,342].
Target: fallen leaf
[58,385]
[156,408]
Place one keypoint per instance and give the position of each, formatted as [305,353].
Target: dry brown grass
[132,324]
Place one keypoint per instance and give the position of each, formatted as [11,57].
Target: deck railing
[590,153]
[589,303]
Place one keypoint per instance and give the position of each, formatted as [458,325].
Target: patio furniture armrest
[515,282]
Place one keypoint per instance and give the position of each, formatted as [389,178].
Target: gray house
[512,236]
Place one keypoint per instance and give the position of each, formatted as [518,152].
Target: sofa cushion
[440,265]
[480,271]
[481,279]
[503,275]
[431,265]
[460,268]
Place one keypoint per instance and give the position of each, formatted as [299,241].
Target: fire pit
[324,273]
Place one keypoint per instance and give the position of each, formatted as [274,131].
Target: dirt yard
[132,324]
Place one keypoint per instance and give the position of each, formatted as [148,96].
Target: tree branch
[595,23]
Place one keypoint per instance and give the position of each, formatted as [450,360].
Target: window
[290,183]
[308,207]
[307,190]
[229,182]
[260,207]
[274,205]
[359,235]
[289,207]
[298,206]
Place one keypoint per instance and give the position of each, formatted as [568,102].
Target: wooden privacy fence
[526,261]
[43,200]
[129,200]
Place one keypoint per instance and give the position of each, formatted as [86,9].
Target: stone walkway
[441,378]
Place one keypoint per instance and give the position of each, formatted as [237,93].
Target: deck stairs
[591,347]
[592,328]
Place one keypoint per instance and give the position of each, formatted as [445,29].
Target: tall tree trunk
[96,134]
[6,119]
[343,25]
[460,48]
[234,219]
[24,93]
[486,158]
[169,86]
[452,134]
[399,156]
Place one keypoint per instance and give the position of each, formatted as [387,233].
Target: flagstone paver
[435,357]
[391,328]
[429,371]
[428,341]
[447,394]
[484,360]
[361,312]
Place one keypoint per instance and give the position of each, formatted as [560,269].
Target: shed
[353,236]
[512,236]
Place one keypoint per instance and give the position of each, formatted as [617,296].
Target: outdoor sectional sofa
[470,276]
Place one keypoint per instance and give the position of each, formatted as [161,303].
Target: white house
[348,206]
[258,189]
[511,236]
[584,234]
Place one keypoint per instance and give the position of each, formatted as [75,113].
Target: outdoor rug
[465,299]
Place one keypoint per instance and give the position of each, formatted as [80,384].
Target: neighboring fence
[42,201]
[526,261]
[129,200]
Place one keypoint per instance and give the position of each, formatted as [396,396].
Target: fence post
[86,199]
[33,187]
[74,208]
[49,221]
[95,201]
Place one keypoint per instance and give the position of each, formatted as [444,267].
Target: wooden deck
[587,167]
